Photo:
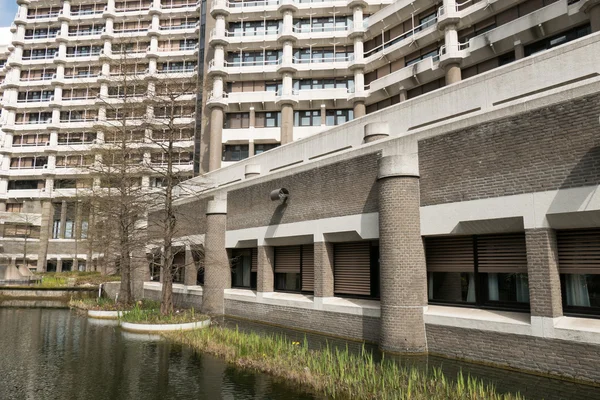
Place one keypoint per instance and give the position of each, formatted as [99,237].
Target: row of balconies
[226,7]
[91,78]
[263,37]
[107,12]
[93,55]
[552,18]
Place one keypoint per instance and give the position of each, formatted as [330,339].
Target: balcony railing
[132,30]
[48,35]
[315,29]
[176,70]
[249,32]
[133,9]
[39,100]
[401,37]
[79,13]
[252,63]
[37,78]
[321,60]
[189,25]
[81,119]
[42,16]
[183,5]
[90,32]
[34,122]
[46,56]
[189,47]
[461,46]
[84,54]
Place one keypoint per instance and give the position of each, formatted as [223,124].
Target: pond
[57,354]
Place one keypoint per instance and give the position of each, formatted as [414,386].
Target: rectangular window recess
[286,165]
[581,78]
[444,118]
[330,152]
[227,183]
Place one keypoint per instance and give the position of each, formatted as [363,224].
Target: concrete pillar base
[403,273]
[360,110]
[453,74]
[287,124]
[217,271]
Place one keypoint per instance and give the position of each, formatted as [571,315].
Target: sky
[8,9]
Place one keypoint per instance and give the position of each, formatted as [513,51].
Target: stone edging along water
[155,328]
[96,314]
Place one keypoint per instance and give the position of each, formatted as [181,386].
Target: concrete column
[220,25]
[594,12]
[217,272]
[59,265]
[191,273]
[519,50]
[287,123]
[323,269]
[542,269]
[78,220]
[250,147]
[266,269]
[252,117]
[453,73]
[376,131]
[360,110]
[140,272]
[323,115]
[3,206]
[402,257]
[216,138]
[63,219]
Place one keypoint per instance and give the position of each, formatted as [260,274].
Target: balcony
[245,36]
[87,34]
[82,14]
[183,28]
[406,78]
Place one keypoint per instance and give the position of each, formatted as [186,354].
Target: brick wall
[335,324]
[344,188]
[548,356]
[191,220]
[17,247]
[179,299]
[71,247]
[545,149]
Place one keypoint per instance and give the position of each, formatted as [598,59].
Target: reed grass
[140,315]
[106,304]
[333,372]
[60,279]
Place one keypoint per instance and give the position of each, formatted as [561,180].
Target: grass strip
[106,304]
[79,278]
[333,372]
[139,315]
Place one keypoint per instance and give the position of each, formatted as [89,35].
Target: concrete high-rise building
[62,80]
[281,70]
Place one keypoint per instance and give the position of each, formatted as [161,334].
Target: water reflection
[55,354]
[506,381]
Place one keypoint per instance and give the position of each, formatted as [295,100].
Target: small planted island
[142,316]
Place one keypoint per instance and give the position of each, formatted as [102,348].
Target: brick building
[464,222]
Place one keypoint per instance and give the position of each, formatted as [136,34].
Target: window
[14,207]
[70,138]
[294,268]
[557,40]
[244,264]
[338,117]
[28,162]
[235,152]
[39,139]
[356,269]
[307,118]
[21,230]
[483,271]
[26,184]
[579,266]
[237,120]
[267,119]
[261,148]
